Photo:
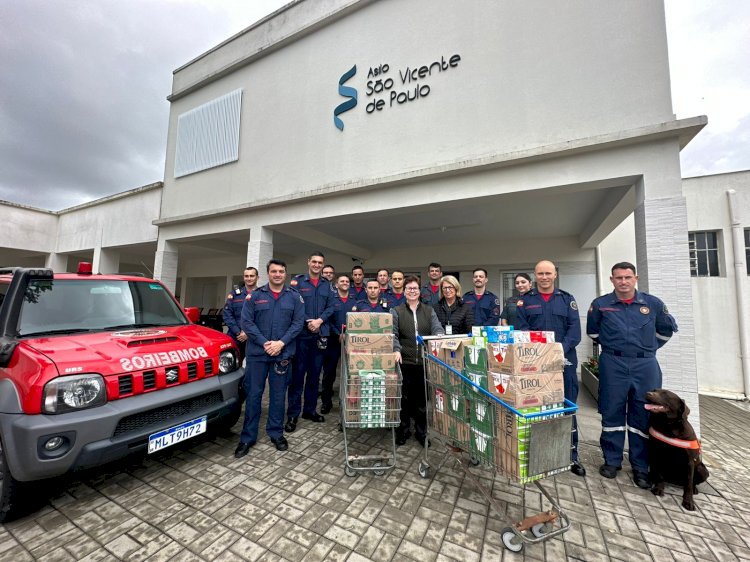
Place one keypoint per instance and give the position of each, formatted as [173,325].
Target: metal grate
[149,341]
[192,369]
[156,416]
[149,380]
[125,384]
[208,367]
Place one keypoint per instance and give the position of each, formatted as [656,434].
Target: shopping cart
[475,427]
[369,399]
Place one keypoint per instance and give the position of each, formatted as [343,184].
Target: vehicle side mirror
[193,313]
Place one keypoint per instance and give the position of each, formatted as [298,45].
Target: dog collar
[681,443]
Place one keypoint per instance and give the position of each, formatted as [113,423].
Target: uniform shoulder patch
[591,308]
[574,305]
[497,301]
[519,302]
[294,282]
[645,310]
[229,296]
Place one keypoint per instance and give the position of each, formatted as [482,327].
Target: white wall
[25,228]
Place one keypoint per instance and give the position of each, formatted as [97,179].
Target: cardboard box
[533,336]
[450,352]
[369,322]
[359,361]
[475,358]
[482,445]
[482,415]
[527,390]
[456,430]
[524,358]
[479,379]
[497,334]
[369,343]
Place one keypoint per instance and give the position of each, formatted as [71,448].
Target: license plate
[168,437]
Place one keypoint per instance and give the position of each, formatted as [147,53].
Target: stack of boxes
[523,369]
[450,413]
[372,383]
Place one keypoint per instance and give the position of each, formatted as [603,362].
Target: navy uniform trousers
[256,374]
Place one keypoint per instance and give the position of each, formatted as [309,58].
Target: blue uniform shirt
[486,308]
[393,300]
[340,309]
[380,306]
[358,296]
[428,297]
[265,318]
[559,314]
[642,326]
[233,311]
[318,302]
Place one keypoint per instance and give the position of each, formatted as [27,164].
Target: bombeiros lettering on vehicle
[150,360]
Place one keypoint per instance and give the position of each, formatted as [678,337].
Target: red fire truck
[95,367]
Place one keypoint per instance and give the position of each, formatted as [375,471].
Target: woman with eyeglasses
[455,316]
[410,319]
[522,281]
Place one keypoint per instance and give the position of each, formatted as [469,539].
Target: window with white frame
[704,253]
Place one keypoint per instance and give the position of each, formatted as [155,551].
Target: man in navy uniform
[233,308]
[395,295]
[383,278]
[430,293]
[328,273]
[272,318]
[342,303]
[311,343]
[550,309]
[486,305]
[375,301]
[630,326]
[357,289]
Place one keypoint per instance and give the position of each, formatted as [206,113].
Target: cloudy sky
[83,87]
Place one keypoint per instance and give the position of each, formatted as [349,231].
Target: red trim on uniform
[275,294]
[628,301]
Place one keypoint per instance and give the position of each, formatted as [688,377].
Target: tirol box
[475,358]
[360,361]
[525,358]
[369,343]
[450,352]
[369,322]
[527,390]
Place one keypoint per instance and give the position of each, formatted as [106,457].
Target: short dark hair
[372,281]
[275,262]
[250,267]
[317,253]
[623,265]
[524,275]
[411,279]
[358,267]
[483,270]
[397,271]
[329,265]
[383,269]
[340,275]
[435,264]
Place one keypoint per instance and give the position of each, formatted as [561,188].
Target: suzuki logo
[347,92]
[173,375]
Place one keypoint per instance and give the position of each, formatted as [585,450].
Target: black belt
[638,355]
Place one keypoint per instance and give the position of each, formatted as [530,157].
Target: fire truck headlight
[227,362]
[75,392]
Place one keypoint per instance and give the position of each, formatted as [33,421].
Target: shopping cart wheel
[378,471]
[539,530]
[424,469]
[349,471]
[474,460]
[512,542]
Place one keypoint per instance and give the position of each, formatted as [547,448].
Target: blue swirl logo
[347,92]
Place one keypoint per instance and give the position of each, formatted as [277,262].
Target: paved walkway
[196,502]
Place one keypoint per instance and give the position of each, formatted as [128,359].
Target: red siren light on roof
[84,268]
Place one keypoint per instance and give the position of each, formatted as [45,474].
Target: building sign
[386,88]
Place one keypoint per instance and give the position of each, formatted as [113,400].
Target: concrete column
[183,290]
[165,264]
[661,228]
[106,260]
[57,262]
[260,250]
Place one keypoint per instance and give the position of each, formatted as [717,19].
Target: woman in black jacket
[522,281]
[455,316]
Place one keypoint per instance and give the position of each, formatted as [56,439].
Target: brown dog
[674,450]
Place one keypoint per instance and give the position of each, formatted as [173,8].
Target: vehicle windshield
[71,305]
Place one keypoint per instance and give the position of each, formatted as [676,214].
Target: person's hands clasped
[273,348]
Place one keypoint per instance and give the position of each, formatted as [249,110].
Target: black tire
[9,490]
